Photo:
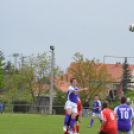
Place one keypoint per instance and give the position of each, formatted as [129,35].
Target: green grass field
[39,124]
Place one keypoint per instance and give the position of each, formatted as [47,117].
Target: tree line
[30,81]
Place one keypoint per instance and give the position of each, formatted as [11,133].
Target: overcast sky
[92,27]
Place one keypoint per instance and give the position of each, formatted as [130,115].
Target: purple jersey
[97,104]
[124,114]
[71,95]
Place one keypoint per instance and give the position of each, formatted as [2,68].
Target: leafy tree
[60,98]
[8,68]
[130,95]
[126,77]
[37,71]
[31,81]
[2,83]
[2,55]
[13,90]
[90,74]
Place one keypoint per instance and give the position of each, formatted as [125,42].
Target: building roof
[115,70]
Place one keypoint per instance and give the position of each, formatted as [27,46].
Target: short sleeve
[103,116]
[115,111]
[132,113]
[99,103]
[71,89]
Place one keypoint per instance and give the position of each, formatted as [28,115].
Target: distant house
[41,91]
[115,70]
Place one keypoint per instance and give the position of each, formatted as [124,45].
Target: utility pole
[22,84]
[52,75]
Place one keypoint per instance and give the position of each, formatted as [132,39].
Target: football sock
[77,129]
[73,129]
[66,119]
[72,122]
[91,123]
[66,131]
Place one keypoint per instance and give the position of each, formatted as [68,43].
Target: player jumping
[77,119]
[71,104]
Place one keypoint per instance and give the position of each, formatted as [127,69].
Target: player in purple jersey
[124,114]
[96,111]
[71,104]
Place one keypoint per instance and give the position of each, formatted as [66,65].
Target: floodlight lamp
[52,47]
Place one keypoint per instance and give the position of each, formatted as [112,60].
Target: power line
[113,57]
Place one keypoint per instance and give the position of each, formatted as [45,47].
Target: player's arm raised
[80,90]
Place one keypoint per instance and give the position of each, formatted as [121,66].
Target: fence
[33,109]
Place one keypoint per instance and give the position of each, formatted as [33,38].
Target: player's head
[96,97]
[73,82]
[123,100]
[105,104]
[86,100]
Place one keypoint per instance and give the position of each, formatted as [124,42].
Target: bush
[114,103]
[130,95]
[128,103]
[60,98]
[8,109]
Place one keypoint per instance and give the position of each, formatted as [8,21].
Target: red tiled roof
[114,69]
[61,84]
[64,87]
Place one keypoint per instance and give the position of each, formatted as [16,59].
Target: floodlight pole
[52,76]
[15,55]
[22,67]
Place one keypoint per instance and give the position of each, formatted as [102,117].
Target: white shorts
[96,115]
[121,132]
[67,104]
[71,105]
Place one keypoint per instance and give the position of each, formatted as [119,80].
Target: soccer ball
[131,28]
